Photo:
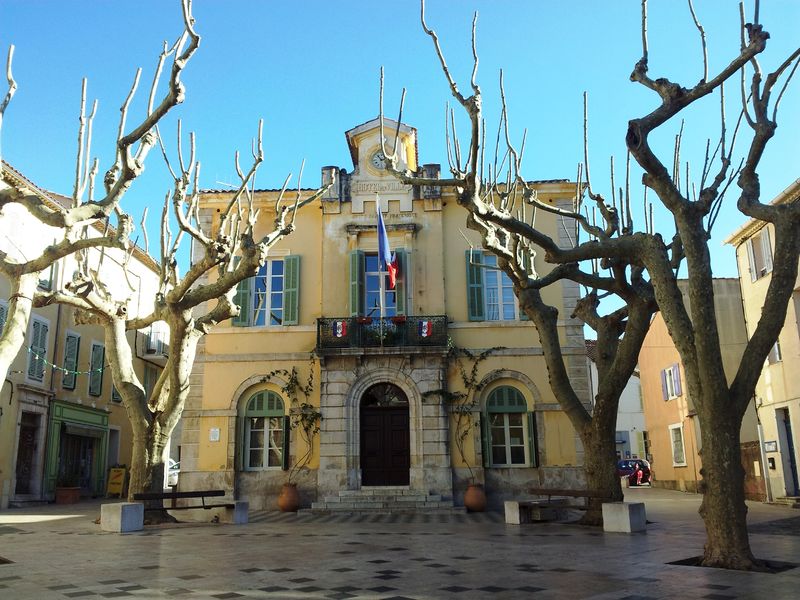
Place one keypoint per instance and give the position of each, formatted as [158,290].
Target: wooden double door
[385,450]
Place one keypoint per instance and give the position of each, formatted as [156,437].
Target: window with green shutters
[508,430]
[72,347]
[96,367]
[365,288]
[490,292]
[272,297]
[264,429]
[38,349]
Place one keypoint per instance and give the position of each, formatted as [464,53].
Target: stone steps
[384,500]
[791,501]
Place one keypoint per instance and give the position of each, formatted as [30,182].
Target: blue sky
[311,68]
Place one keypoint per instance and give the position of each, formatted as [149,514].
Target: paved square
[58,552]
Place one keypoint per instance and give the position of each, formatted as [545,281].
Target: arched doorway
[385,454]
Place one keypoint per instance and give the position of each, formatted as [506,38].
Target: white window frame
[759,254]
[669,377]
[507,440]
[265,275]
[389,296]
[500,282]
[775,355]
[46,323]
[679,427]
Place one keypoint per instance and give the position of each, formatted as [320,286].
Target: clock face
[378,160]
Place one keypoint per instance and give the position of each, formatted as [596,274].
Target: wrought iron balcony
[371,332]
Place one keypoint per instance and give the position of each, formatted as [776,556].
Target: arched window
[265,432]
[509,431]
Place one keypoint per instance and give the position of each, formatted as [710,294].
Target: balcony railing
[371,332]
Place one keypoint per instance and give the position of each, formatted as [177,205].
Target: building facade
[61,422]
[777,396]
[672,424]
[382,385]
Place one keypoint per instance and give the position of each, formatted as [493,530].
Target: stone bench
[126,517]
[624,517]
[529,511]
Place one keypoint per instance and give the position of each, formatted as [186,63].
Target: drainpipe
[764,466]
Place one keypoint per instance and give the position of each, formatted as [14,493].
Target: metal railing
[374,332]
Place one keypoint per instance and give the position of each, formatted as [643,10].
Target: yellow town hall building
[380,383]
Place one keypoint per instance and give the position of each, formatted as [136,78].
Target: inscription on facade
[379,186]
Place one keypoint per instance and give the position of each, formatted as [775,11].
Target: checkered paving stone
[716,586]
[116,594]
[227,595]
[718,596]
[190,577]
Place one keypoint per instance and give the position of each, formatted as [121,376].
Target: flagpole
[380,273]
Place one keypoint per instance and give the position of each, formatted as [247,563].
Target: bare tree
[190,304]
[640,267]
[75,224]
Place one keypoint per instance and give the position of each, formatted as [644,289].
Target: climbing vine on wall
[464,402]
[304,417]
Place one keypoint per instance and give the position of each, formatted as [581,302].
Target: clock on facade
[378,161]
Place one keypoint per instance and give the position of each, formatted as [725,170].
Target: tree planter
[289,499]
[475,498]
[68,495]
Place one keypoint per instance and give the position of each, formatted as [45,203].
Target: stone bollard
[624,517]
[122,517]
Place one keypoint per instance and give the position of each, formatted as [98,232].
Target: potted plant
[304,418]
[463,404]
[68,490]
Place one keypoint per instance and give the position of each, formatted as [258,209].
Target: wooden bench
[232,512]
[173,496]
[587,494]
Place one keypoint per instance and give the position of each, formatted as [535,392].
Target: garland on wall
[47,363]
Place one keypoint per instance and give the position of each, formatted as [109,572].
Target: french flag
[387,259]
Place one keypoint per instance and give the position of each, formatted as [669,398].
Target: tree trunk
[600,458]
[723,509]
[19,313]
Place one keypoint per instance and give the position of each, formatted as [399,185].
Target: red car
[637,470]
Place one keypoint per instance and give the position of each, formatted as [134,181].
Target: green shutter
[485,440]
[38,351]
[356,283]
[285,451]
[403,281]
[533,446]
[96,366]
[71,351]
[475,310]
[291,290]
[3,316]
[244,300]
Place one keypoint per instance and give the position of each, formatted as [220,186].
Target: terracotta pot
[68,495]
[475,498]
[289,499]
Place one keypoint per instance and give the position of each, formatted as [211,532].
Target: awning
[84,430]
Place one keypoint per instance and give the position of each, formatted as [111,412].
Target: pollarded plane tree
[494,187]
[83,222]
[652,260]
[190,304]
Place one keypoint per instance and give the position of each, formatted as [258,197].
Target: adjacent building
[631,433]
[672,424]
[777,396]
[380,377]
[61,421]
